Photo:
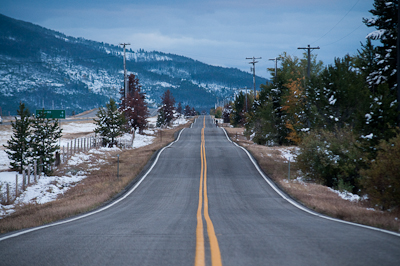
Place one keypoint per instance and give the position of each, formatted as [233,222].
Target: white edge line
[101,209]
[294,203]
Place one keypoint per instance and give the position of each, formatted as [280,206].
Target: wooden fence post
[29,174]
[58,159]
[8,193]
[41,166]
[23,179]
[35,170]
[16,185]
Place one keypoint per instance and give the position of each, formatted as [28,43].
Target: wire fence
[33,172]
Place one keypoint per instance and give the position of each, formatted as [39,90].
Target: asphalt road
[203,201]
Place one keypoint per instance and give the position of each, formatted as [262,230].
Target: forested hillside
[45,68]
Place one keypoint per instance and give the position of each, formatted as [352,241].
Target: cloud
[219,32]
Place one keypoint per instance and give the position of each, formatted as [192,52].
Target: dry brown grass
[99,187]
[314,196]
[102,185]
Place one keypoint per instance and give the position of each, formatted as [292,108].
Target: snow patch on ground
[289,153]
[48,188]
[347,195]
[5,134]
[77,127]
[4,161]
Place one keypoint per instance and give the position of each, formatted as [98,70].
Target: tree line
[343,118]
[132,113]
[34,139]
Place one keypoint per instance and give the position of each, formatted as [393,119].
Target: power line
[398,66]
[344,36]
[336,23]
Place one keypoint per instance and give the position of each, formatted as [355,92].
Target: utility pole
[398,67]
[125,85]
[308,48]
[276,64]
[254,73]
[246,99]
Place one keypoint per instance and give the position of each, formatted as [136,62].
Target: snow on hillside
[140,57]
[211,87]
[98,82]
[28,77]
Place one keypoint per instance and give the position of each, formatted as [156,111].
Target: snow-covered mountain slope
[45,68]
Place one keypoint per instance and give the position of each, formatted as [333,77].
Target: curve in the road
[254,222]
[124,196]
[296,204]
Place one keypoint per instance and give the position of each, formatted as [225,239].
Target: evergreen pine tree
[18,148]
[380,119]
[168,102]
[226,113]
[193,112]
[239,110]
[160,117]
[188,110]
[385,22]
[109,124]
[344,94]
[261,122]
[179,108]
[45,134]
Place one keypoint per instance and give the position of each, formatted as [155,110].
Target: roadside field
[275,163]
[100,183]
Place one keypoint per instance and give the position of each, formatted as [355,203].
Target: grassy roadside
[102,185]
[314,196]
[99,187]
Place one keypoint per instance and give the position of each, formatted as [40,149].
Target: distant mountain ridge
[45,68]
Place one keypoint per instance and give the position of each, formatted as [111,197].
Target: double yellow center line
[214,247]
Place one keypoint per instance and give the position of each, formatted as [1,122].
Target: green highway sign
[57,114]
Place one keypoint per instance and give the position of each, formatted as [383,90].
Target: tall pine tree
[385,22]
[179,109]
[109,124]
[18,147]
[380,119]
[188,110]
[167,108]
[45,134]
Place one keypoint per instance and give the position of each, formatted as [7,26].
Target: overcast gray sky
[217,32]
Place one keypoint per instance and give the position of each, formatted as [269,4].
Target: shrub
[218,112]
[382,180]
[331,158]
